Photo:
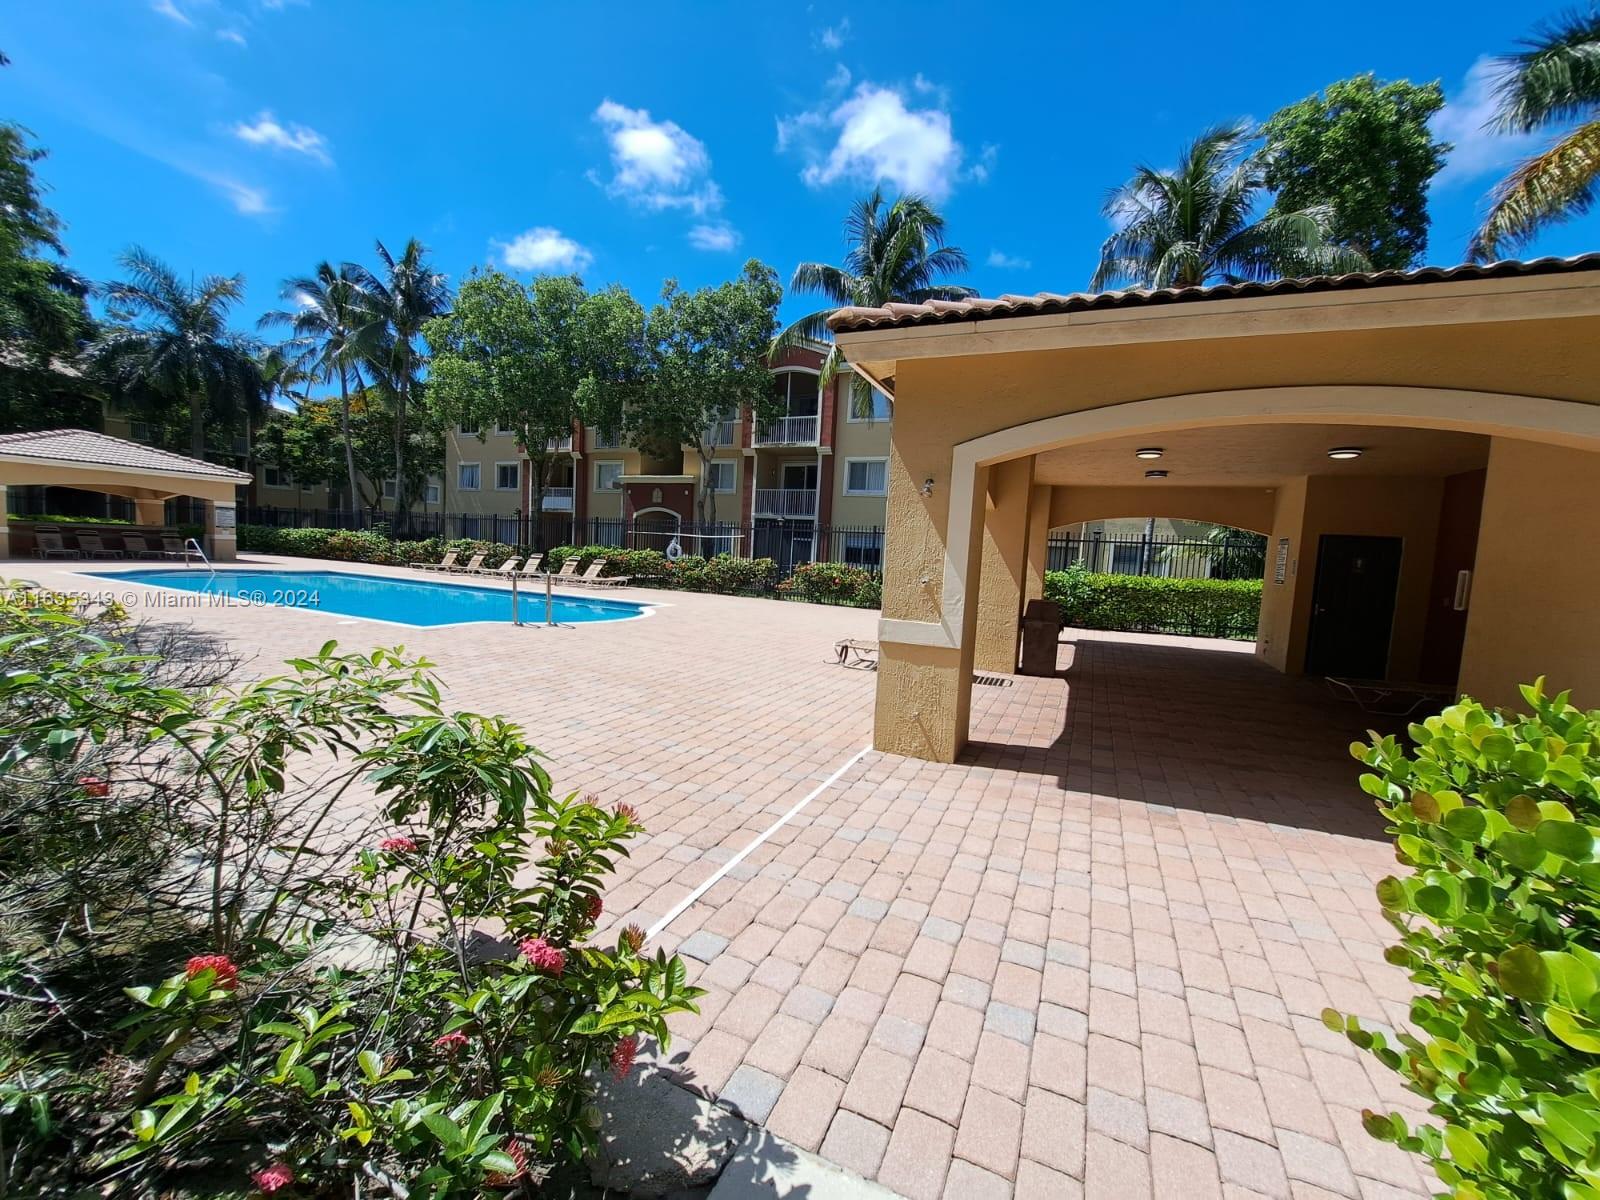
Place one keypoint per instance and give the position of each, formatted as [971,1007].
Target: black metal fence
[1240,555]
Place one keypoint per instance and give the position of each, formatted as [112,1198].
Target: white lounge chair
[448,563]
[504,571]
[471,567]
[593,578]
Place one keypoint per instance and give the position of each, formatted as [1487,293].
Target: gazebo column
[148,511]
[222,540]
[1004,566]
[1038,544]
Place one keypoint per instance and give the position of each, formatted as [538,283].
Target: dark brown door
[1352,606]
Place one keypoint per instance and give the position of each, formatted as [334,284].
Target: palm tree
[395,306]
[171,340]
[1195,224]
[330,329]
[1554,79]
[895,254]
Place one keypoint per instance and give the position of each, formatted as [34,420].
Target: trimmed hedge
[1229,608]
[723,574]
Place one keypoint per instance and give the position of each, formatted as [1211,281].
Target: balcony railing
[723,433]
[557,499]
[785,502]
[788,431]
[564,443]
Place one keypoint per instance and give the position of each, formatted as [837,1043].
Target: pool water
[421,602]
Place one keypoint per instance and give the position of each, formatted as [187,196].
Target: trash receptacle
[1041,630]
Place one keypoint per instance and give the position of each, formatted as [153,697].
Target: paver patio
[1088,959]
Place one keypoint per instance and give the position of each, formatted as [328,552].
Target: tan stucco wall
[858,439]
[1242,508]
[1532,609]
[1004,566]
[133,484]
[1274,634]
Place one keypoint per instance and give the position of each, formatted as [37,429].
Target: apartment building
[806,486]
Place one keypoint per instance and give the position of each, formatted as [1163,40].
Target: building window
[504,431]
[507,476]
[430,492]
[140,431]
[878,403]
[605,441]
[465,431]
[390,490]
[722,476]
[798,391]
[467,476]
[863,549]
[866,476]
[276,477]
[606,476]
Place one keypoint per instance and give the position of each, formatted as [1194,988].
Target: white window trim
[517,486]
[844,477]
[503,431]
[850,410]
[733,484]
[618,463]
[433,491]
[390,489]
[462,487]
[463,431]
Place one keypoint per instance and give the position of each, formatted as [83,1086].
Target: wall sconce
[927,486]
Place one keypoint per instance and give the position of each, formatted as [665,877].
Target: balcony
[789,431]
[557,499]
[559,443]
[786,502]
[723,433]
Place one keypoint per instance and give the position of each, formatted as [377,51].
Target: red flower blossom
[270,1179]
[544,956]
[451,1043]
[227,974]
[627,811]
[514,1150]
[623,1054]
[633,938]
[93,785]
[398,845]
[593,906]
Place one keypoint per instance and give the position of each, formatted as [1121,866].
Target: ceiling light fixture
[1155,474]
[1344,452]
[1149,452]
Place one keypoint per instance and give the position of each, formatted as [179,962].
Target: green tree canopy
[708,355]
[1363,149]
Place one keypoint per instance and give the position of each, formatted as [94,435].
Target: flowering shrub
[834,583]
[1496,816]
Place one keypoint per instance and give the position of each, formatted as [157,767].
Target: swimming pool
[421,602]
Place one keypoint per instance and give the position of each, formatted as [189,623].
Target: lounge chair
[593,578]
[858,653]
[92,546]
[47,543]
[569,569]
[504,571]
[173,547]
[471,567]
[137,547]
[447,563]
[530,569]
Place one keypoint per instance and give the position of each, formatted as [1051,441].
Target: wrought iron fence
[1239,555]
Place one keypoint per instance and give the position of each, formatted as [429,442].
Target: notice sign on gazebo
[227,516]
[1280,565]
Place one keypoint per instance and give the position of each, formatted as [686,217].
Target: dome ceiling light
[1343,453]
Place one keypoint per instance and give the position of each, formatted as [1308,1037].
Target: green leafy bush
[1155,604]
[834,583]
[1496,815]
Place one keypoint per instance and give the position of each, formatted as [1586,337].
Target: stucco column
[149,512]
[1038,544]
[222,542]
[1004,565]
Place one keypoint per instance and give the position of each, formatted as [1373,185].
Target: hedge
[834,583]
[1228,608]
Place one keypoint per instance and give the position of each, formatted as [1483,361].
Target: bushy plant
[1495,814]
[834,583]
[1156,604]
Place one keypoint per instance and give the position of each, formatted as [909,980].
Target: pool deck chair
[530,569]
[593,578]
[504,571]
[471,567]
[172,547]
[92,546]
[447,563]
[137,547]
[48,544]
[569,569]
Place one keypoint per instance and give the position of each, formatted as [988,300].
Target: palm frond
[1552,186]
[1554,78]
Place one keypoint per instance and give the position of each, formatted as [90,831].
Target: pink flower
[93,785]
[628,812]
[519,1158]
[451,1043]
[270,1179]
[227,974]
[398,845]
[544,956]
[623,1054]
[593,906]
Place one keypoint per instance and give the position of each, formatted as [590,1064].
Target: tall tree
[708,356]
[170,341]
[44,320]
[895,253]
[1196,224]
[1363,149]
[329,330]
[397,302]
[1551,83]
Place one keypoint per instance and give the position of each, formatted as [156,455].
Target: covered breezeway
[1456,546]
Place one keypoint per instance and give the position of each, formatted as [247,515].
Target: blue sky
[637,142]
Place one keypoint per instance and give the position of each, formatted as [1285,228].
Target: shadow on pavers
[658,1139]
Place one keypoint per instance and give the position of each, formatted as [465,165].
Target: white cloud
[1008,262]
[171,11]
[880,138]
[834,36]
[1464,121]
[231,35]
[248,200]
[659,164]
[718,236]
[268,131]
[544,249]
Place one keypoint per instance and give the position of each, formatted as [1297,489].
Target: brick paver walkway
[1087,960]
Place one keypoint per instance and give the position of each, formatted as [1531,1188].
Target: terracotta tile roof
[946,312]
[84,447]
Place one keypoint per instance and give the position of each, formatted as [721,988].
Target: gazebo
[97,462]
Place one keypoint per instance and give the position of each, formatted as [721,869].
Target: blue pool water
[379,598]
